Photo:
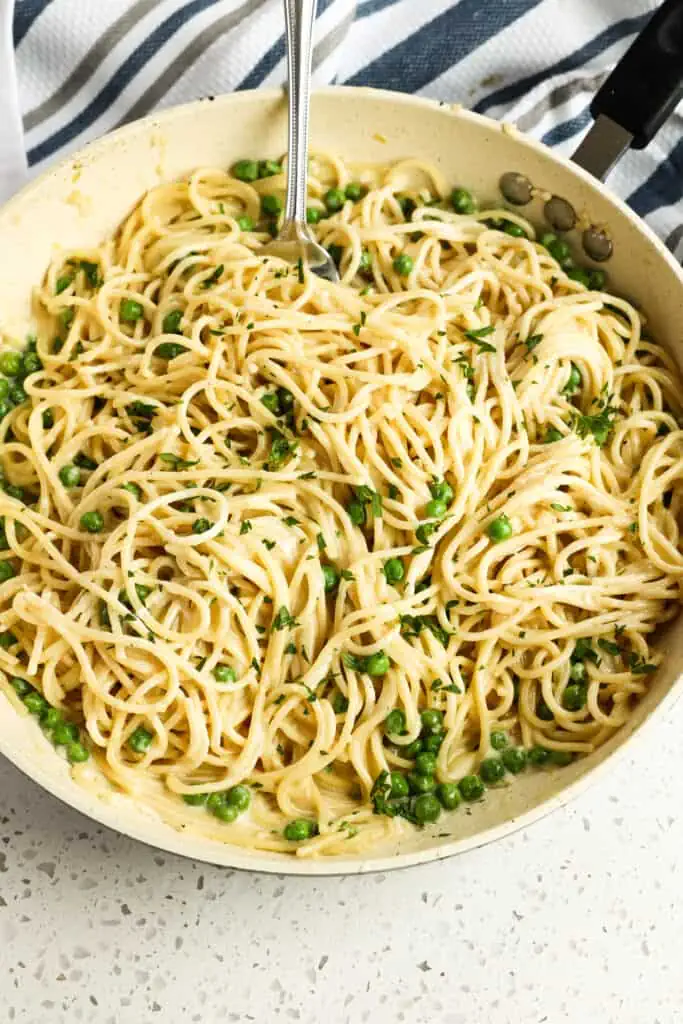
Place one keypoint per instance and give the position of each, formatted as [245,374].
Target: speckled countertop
[578,919]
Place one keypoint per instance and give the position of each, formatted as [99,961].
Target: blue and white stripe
[85,67]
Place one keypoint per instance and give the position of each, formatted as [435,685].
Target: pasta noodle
[261,512]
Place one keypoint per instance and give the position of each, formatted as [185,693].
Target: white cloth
[85,66]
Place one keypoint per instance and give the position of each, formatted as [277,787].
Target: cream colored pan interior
[83,200]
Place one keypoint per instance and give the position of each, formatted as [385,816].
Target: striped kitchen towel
[85,66]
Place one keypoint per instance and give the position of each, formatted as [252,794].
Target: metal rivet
[560,214]
[597,244]
[516,188]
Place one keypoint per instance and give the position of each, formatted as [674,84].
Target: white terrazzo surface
[579,919]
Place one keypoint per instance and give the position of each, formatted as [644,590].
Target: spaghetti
[295,542]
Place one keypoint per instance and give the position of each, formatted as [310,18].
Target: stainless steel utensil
[294,241]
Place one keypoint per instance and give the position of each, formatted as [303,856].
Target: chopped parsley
[283,619]
[599,424]
[175,462]
[477,337]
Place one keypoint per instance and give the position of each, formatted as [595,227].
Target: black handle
[647,83]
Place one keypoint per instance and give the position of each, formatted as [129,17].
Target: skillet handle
[647,83]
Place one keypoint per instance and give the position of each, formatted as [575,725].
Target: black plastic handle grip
[647,83]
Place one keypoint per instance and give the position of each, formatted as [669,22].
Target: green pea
[65,733]
[499,529]
[580,275]
[412,749]
[169,350]
[574,381]
[140,740]
[70,475]
[50,717]
[514,230]
[377,664]
[547,239]
[436,509]
[7,639]
[92,522]
[17,395]
[172,321]
[330,578]
[35,702]
[597,279]
[499,739]
[77,753]
[574,697]
[403,264]
[245,170]
[223,673]
[132,489]
[31,363]
[561,757]
[130,311]
[269,168]
[432,720]
[433,743]
[441,490]
[399,785]
[356,512]
[21,686]
[394,570]
[560,251]
[577,672]
[425,763]
[300,829]
[195,799]
[395,722]
[272,205]
[313,215]
[539,756]
[7,570]
[463,201]
[424,532]
[5,407]
[426,809]
[226,813]
[286,400]
[214,801]
[471,788]
[421,783]
[543,711]
[355,191]
[448,795]
[239,797]
[552,435]
[491,770]
[10,363]
[334,199]
[201,525]
[245,223]
[514,759]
